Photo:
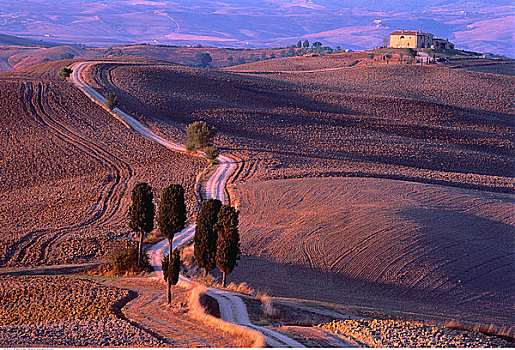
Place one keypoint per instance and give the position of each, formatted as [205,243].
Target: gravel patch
[408,334]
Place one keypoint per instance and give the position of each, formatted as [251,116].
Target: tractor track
[109,199]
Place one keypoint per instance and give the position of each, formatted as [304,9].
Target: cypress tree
[141,213]
[171,218]
[171,268]
[205,235]
[228,243]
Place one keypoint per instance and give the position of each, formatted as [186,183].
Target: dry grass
[269,310]
[28,300]
[197,312]
[506,333]
[398,333]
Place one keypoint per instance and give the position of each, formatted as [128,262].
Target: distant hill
[6,40]
[484,26]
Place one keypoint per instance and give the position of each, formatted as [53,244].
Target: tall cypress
[141,213]
[171,218]
[228,243]
[205,236]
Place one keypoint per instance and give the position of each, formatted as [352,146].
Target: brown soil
[67,168]
[421,124]
[302,63]
[384,244]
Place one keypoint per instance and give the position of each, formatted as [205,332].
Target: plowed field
[413,123]
[66,171]
[381,243]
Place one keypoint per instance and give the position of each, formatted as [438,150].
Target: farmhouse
[416,39]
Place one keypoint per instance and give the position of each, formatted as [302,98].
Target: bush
[211,154]
[126,261]
[111,100]
[65,72]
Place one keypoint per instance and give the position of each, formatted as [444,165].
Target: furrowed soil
[67,168]
[64,311]
[439,246]
[417,249]
[423,124]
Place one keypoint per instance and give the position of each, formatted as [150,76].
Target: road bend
[232,307]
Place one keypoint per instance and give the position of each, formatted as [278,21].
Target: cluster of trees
[410,53]
[203,59]
[65,72]
[217,240]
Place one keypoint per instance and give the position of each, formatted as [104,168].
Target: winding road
[232,307]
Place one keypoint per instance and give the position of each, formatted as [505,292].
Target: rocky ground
[79,333]
[409,334]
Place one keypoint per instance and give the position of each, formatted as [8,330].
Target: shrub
[211,154]
[65,72]
[111,100]
[126,261]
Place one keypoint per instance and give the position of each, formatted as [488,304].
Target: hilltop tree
[387,57]
[228,243]
[317,44]
[199,135]
[306,44]
[203,59]
[141,213]
[65,72]
[205,236]
[171,268]
[299,44]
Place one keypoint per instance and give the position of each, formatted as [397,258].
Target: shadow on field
[290,281]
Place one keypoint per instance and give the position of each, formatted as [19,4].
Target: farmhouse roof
[406,32]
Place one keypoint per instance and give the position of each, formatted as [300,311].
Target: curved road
[232,308]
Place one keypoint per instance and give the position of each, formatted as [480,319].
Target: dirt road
[232,308]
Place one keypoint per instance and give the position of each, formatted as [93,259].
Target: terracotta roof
[405,32]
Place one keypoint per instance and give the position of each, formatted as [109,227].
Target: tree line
[216,239]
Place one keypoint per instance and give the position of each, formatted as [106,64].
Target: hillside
[357,24]
[15,56]
[433,251]
[435,245]
[398,122]
[66,172]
